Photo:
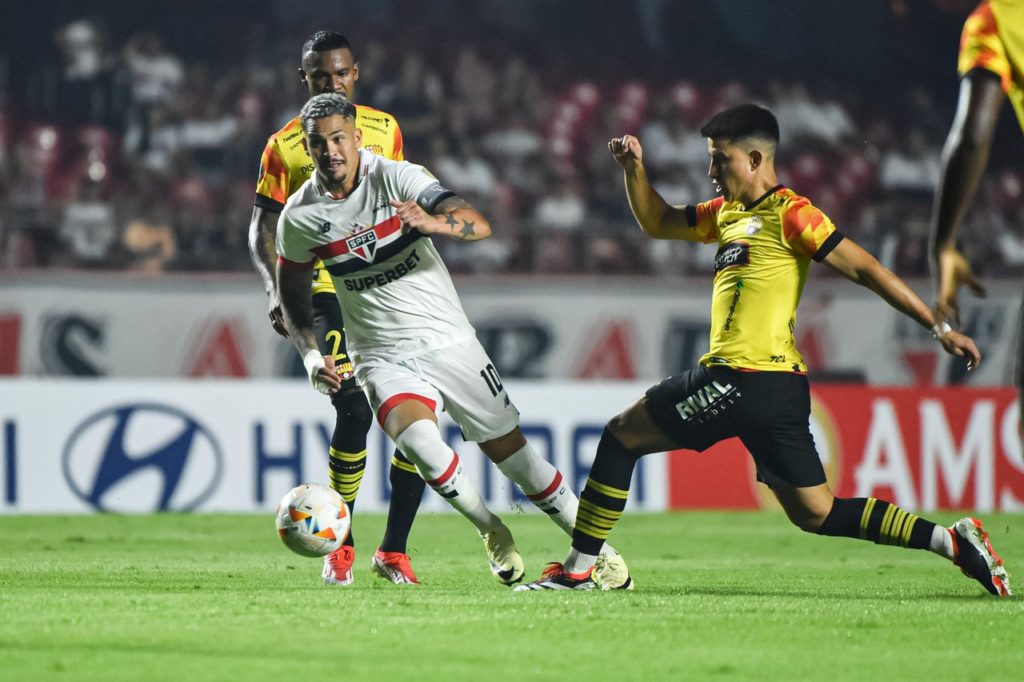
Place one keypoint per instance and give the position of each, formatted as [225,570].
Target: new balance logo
[707,402]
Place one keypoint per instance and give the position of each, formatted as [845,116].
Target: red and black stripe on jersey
[355,264]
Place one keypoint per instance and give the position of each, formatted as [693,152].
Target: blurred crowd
[132,156]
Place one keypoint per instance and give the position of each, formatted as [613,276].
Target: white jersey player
[414,351]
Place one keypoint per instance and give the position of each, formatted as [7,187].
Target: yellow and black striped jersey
[285,165]
[760,271]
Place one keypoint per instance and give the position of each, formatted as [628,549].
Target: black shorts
[330,337]
[769,411]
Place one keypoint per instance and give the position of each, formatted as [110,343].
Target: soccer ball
[313,520]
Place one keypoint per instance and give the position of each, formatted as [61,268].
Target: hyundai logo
[142,457]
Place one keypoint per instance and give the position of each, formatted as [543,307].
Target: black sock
[406,494]
[604,496]
[347,461]
[876,520]
[346,472]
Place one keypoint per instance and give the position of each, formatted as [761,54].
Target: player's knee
[618,438]
[419,438]
[352,409]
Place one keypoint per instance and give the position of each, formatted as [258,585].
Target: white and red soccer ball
[313,520]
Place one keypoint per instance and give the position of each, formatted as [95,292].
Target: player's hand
[954,272]
[627,151]
[962,345]
[413,216]
[277,315]
[321,372]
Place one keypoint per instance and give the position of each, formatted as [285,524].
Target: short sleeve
[808,230]
[416,182]
[703,218]
[272,185]
[398,149]
[293,247]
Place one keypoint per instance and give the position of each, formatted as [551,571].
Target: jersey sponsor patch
[708,402]
[381,279]
[730,255]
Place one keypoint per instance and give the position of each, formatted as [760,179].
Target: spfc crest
[363,245]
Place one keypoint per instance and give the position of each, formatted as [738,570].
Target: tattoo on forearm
[467,229]
[452,203]
[452,222]
[296,302]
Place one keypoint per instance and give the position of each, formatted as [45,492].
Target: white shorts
[459,379]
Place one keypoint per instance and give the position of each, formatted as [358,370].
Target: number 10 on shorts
[491,378]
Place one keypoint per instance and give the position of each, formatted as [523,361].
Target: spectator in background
[152,143]
[562,208]
[88,89]
[910,166]
[88,228]
[475,83]
[459,165]
[512,137]
[149,245]
[415,100]
[156,76]
[670,136]
[802,116]
[559,215]
[519,88]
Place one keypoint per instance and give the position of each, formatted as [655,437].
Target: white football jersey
[397,298]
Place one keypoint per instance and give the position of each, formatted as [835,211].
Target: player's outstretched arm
[861,267]
[655,216]
[262,229]
[297,309]
[453,217]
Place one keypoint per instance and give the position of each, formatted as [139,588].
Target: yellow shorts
[993,39]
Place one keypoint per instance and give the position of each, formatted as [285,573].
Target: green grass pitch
[720,596]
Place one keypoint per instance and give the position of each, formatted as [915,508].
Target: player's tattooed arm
[297,306]
[453,217]
[262,231]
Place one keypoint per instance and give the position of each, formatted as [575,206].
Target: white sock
[578,562]
[545,486]
[942,542]
[441,469]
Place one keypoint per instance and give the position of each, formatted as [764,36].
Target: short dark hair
[327,104]
[325,41]
[743,121]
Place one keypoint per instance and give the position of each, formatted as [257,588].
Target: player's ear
[359,137]
[302,75]
[355,72]
[756,158]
